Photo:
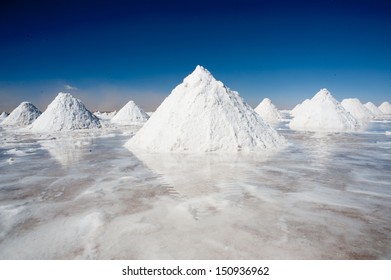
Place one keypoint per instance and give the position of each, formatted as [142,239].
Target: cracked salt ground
[82,195]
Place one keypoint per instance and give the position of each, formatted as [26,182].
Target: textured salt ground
[326,196]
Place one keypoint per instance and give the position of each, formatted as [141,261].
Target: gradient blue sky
[114,51]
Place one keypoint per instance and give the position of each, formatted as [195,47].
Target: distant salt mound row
[3,116]
[65,113]
[130,114]
[373,109]
[357,110]
[202,115]
[385,107]
[105,115]
[23,115]
[268,111]
[299,107]
[323,113]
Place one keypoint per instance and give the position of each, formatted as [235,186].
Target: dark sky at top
[114,51]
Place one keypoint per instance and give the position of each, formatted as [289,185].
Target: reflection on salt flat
[193,175]
[68,150]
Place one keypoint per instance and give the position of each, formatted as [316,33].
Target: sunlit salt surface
[82,195]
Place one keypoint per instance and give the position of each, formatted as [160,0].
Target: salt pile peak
[130,114]
[268,111]
[23,115]
[357,109]
[323,113]
[202,115]
[373,109]
[385,107]
[65,113]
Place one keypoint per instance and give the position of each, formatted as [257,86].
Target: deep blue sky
[114,51]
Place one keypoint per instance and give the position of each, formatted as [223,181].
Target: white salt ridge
[323,113]
[3,116]
[357,110]
[373,109]
[23,115]
[268,111]
[299,107]
[130,114]
[65,113]
[385,107]
[202,115]
[105,115]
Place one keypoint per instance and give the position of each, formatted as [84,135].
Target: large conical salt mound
[65,113]
[268,111]
[22,115]
[357,110]
[130,114]
[385,107]
[323,113]
[373,109]
[202,115]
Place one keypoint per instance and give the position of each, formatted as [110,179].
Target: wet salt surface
[82,195]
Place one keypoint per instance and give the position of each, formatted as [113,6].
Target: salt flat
[83,195]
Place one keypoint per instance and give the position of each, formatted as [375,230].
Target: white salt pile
[23,115]
[3,116]
[385,107]
[373,109]
[202,115]
[268,111]
[323,113]
[65,113]
[130,114]
[299,107]
[357,110]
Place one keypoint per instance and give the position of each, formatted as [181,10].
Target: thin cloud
[69,87]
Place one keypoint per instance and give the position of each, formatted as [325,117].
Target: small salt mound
[268,111]
[357,110]
[203,115]
[323,113]
[3,116]
[65,113]
[373,109]
[23,115]
[105,115]
[385,107]
[299,107]
[130,114]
